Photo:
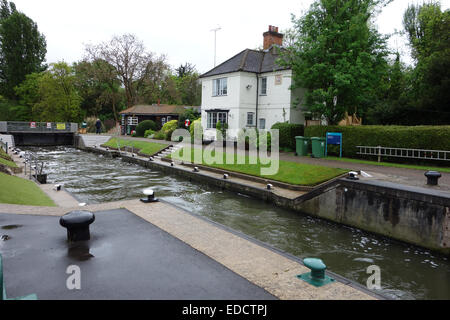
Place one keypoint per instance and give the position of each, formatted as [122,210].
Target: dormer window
[220,87]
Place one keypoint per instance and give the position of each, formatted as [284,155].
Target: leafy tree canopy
[22,48]
[338,56]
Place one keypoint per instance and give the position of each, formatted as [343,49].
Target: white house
[250,90]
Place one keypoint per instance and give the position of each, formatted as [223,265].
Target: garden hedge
[421,137]
[288,132]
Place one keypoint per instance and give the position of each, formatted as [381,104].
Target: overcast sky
[179,29]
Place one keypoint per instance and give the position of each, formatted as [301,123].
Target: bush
[149,133]
[197,126]
[422,137]
[169,128]
[288,132]
[160,136]
[144,126]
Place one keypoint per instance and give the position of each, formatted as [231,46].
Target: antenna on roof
[215,43]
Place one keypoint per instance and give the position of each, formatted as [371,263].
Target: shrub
[149,133]
[159,136]
[144,126]
[288,132]
[169,128]
[421,137]
[196,126]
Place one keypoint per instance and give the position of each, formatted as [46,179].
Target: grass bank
[6,159]
[289,172]
[148,148]
[22,192]
[8,163]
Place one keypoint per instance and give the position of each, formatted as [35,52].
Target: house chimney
[272,37]
[159,102]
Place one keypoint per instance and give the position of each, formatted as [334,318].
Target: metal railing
[404,153]
[41,127]
[33,163]
[4,145]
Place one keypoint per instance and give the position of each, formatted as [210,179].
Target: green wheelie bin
[318,147]
[302,146]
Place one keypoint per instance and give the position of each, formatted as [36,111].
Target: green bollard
[317,276]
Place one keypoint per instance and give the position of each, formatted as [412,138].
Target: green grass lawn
[8,163]
[23,192]
[289,172]
[148,148]
[390,164]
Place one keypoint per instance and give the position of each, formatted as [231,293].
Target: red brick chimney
[272,37]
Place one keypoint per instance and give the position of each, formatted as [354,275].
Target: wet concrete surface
[126,258]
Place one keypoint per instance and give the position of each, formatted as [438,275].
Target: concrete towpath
[263,266]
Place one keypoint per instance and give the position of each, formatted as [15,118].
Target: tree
[428,29]
[22,48]
[58,99]
[99,85]
[394,92]
[185,70]
[6,9]
[188,87]
[140,71]
[28,92]
[338,56]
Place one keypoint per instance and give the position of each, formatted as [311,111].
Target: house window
[169,118]
[220,87]
[163,121]
[214,117]
[133,121]
[263,86]
[262,124]
[250,119]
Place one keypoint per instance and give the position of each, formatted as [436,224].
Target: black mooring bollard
[77,225]
[432,177]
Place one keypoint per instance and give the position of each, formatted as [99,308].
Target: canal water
[407,272]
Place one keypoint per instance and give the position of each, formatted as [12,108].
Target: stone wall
[404,213]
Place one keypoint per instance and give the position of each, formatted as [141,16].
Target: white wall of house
[275,106]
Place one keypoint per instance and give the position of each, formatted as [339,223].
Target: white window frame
[252,124]
[220,87]
[133,121]
[263,90]
[214,117]
[163,120]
